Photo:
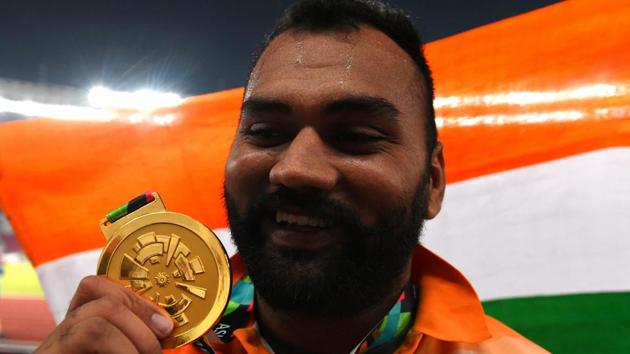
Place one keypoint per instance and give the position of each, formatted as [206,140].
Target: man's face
[328,179]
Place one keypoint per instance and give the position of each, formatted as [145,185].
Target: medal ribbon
[391,331]
[129,207]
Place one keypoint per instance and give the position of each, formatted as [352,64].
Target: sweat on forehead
[366,56]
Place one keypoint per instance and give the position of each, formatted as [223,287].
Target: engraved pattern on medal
[177,271]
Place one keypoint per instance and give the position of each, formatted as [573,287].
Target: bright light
[142,100]
[32,109]
[503,119]
[65,112]
[138,118]
[13,257]
[522,98]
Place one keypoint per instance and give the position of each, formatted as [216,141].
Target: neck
[324,334]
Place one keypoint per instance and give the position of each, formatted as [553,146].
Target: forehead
[331,64]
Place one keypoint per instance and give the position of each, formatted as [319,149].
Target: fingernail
[163,325]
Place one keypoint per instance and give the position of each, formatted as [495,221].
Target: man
[334,167]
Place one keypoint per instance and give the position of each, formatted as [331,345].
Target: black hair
[344,15]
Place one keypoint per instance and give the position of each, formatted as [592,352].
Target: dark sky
[187,46]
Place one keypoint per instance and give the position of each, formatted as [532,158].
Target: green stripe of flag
[576,324]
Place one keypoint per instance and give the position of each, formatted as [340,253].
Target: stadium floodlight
[142,100]
[45,110]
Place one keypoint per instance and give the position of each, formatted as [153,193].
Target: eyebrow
[363,104]
[262,105]
[369,105]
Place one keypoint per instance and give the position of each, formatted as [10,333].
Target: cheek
[246,174]
[379,186]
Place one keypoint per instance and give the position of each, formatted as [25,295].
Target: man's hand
[105,317]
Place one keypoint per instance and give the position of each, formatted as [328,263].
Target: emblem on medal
[169,259]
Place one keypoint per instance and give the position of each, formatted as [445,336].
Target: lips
[288,218]
[293,228]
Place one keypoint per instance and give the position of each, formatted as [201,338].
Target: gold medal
[169,259]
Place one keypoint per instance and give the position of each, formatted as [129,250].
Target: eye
[264,134]
[359,141]
[358,137]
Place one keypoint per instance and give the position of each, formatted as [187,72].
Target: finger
[108,307]
[94,287]
[94,335]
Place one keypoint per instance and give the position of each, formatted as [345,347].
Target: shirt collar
[448,308]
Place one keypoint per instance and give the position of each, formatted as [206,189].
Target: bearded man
[333,170]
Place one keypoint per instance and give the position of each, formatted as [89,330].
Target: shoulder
[502,340]
[505,340]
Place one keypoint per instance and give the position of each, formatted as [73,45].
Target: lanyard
[385,337]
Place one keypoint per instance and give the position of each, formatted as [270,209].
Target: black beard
[343,281]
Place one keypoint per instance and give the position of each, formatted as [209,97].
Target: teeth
[301,220]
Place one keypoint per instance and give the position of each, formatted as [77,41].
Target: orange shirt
[449,317]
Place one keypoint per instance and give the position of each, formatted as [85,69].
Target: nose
[305,164]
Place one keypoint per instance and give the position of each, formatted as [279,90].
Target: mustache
[311,202]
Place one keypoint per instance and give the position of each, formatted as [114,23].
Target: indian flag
[534,113]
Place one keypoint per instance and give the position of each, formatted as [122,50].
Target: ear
[437,182]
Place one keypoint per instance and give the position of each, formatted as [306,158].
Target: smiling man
[333,170]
